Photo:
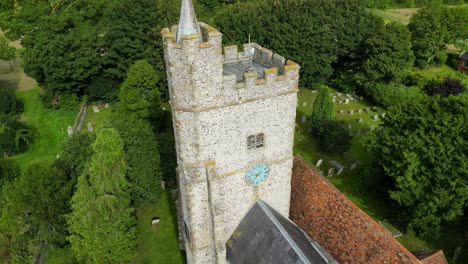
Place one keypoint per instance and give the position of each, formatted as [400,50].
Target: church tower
[234,119]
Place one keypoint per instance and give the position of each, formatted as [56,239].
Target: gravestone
[163,185]
[361,120]
[349,96]
[319,162]
[70,131]
[368,109]
[372,128]
[346,101]
[341,111]
[333,100]
[155,221]
[353,166]
[58,156]
[336,166]
[340,101]
[383,115]
[350,133]
[95,109]
[339,94]
[314,91]
[376,117]
[359,111]
[350,126]
[358,132]
[304,119]
[351,112]
[361,98]
[331,172]
[107,105]
[374,108]
[164,108]
[304,104]
[90,127]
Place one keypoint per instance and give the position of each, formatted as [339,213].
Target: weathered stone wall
[213,115]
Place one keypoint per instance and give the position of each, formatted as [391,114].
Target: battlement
[210,37]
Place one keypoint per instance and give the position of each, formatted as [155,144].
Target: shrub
[15,137]
[8,102]
[8,171]
[445,88]
[390,94]
[102,88]
[440,58]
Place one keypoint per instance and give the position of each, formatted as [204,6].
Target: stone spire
[188,20]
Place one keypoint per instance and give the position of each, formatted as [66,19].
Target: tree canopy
[101,223]
[422,148]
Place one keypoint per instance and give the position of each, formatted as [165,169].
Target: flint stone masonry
[213,114]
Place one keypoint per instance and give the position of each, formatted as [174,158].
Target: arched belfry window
[256,141]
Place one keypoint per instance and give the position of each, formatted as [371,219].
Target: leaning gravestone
[340,101]
[336,166]
[319,162]
[90,127]
[304,104]
[331,172]
[70,131]
[95,109]
[368,109]
[304,118]
[107,105]
[359,111]
[376,117]
[374,108]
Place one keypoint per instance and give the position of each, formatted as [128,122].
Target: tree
[139,93]
[144,174]
[333,135]
[422,148]
[9,104]
[387,55]
[323,106]
[15,137]
[455,21]
[102,224]
[7,53]
[446,88]
[427,33]
[32,217]
[8,172]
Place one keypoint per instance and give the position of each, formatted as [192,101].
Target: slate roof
[464,55]
[347,233]
[265,236]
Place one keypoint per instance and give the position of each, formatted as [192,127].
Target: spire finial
[188,20]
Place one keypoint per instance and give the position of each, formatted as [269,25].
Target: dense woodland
[111,50]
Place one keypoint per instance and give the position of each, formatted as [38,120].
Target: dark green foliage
[455,21]
[139,93]
[313,33]
[102,223]
[422,148]
[102,88]
[445,88]
[7,53]
[15,137]
[32,216]
[66,101]
[8,171]
[144,174]
[387,55]
[390,94]
[323,106]
[333,135]
[8,102]
[76,152]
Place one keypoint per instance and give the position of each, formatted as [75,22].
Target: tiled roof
[264,236]
[437,257]
[346,232]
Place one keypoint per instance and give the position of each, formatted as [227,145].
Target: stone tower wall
[212,116]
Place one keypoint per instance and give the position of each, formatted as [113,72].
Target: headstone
[339,94]
[353,166]
[351,112]
[155,221]
[350,133]
[163,185]
[304,118]
[349,96]
[319,162]
[58,156]
[333,100]
[368,109]
[383,115]
[341,111]
[90,127]
[340,101]
[70,131]
[374,108]
[334,97]
[359,111]
[350,126]
[95,109]
[372,128]
[376,117]
[107,105]
[336,166]
[314,91]
[361,120]
[358,132]
[331,172]
[361,98]
[304,104]
[174,194]
[346,101]
[164,108]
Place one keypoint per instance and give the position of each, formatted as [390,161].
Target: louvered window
[255,141]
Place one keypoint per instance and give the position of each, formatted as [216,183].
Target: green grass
[99,120]
[158,244]
[50,127]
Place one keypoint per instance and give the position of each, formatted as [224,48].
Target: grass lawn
[50,127]
[158,244]
[99,120]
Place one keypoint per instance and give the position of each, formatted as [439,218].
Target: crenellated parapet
[199,76]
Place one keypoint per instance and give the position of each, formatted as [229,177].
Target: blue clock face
[257,174]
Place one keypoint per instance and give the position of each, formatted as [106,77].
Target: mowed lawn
[49,126]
